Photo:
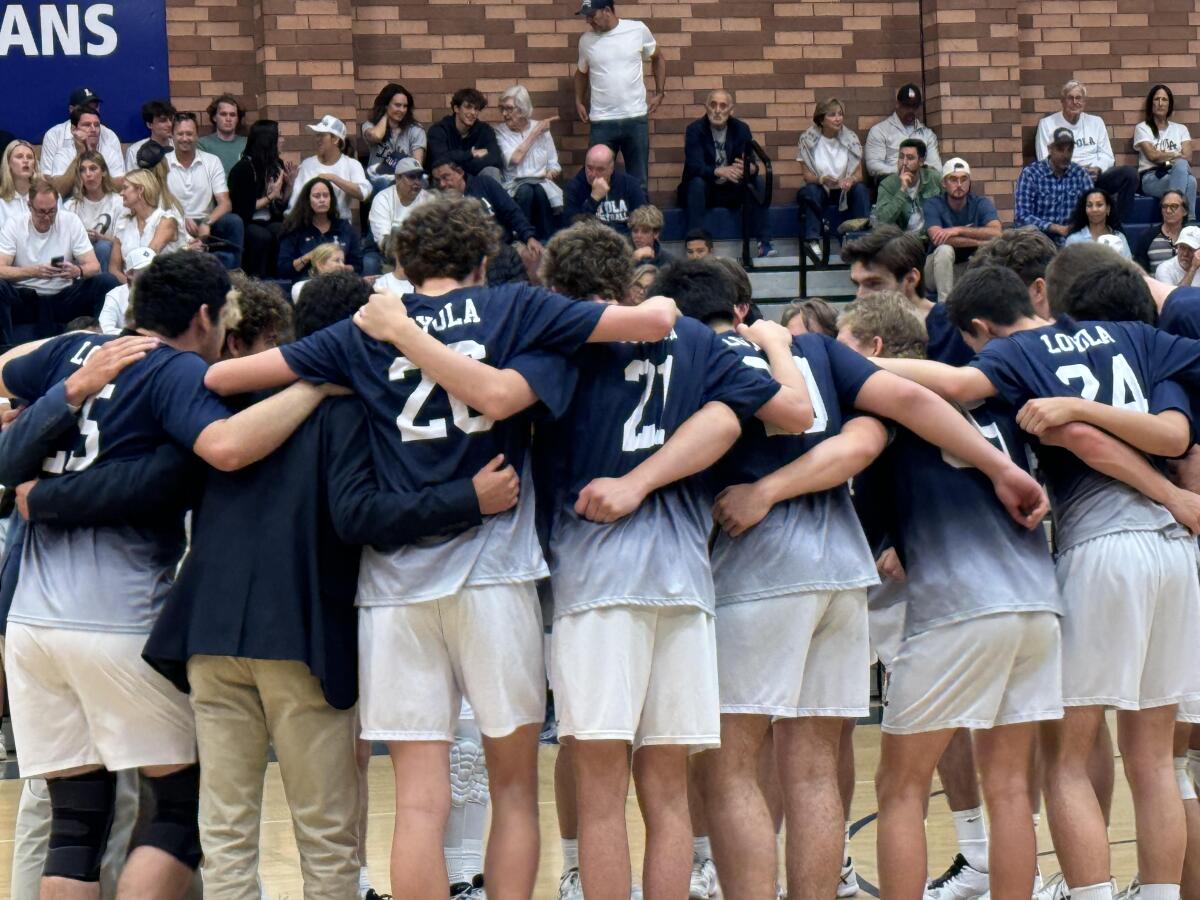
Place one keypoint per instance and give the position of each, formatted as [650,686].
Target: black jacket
[443,142]
[505,210]
[699,152]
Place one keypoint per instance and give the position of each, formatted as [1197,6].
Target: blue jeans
[103,253]
[1179,177]
[630,138]
[701,195]
[229,233]
[813,197]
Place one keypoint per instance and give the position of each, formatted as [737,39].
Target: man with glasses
[1158,245]
[49,273]
[1093,151]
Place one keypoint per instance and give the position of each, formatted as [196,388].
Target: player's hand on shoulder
[1185,472]
[9,415]
[766,333]
[104,364]
[1022,496]
[1047,412]
[22,497]
[740,507]
[383,317]
[497,487]
[889,566]
[605,500]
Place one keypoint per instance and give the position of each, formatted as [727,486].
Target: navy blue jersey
[108,578]
[946,344]
[809,543]
[420,436]
[1181,313]
[963,554]
[630,400]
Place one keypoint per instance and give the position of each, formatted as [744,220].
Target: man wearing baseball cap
[1048,189]
[391,207]
[345,172]
[883,140]
[1183,269]
[958,222]
[610,91]
[58,144]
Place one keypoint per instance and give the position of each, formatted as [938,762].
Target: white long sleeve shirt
[1092,147]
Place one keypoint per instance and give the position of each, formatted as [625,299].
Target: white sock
[1183,778]
[1160,891]
[570,852]
[1102,891]
[846,845]
[972,837]
[701,849]
[472,858]
[1037,821]
[364,881]
[1193,757]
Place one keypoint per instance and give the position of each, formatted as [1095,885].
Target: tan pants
[940,271]
[241,706]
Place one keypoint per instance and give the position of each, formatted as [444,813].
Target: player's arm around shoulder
[256,372]
[964,385]
[651,320]
[791,409]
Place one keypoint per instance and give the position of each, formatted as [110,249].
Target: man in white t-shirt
[610,92]
[49,273]
[390,208]
[59,146]
[159,119]
[345,172]
[1184,267]
[86,135]
[1093,150]
[197,179]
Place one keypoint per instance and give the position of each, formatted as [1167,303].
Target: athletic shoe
[1133,891]
[765,249]
[460,889]
[813,249]
[848,883]
[704,880]
[960,882]
[569,885]
[1054,889]
[373,895]
[476,890]
[853,225]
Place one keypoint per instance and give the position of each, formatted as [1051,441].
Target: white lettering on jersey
[448,318]
[1078,342]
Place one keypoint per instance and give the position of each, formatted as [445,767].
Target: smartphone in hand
[57,262]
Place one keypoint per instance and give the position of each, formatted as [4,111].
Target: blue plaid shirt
[1045,199]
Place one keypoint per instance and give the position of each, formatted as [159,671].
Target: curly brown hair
[889,316]
[448,237]
[264,311]
[587,260]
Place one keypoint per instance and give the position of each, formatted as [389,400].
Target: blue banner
[47,50]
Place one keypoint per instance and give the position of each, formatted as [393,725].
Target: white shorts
[417,662]
[887,632]
[647,675]
[1132,622]
[1000,669]
[85,698]
[803,655]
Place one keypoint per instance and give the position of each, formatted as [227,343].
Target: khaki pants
[241,706]
[940,271]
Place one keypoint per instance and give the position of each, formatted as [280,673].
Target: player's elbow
[788,412]
[219,380]
[220,448]
[657,324]
[505,396]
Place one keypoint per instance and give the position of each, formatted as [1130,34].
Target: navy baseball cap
[1063,136]
[591,6]
[909,95]
[82,95]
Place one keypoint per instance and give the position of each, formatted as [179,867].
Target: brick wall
[990,70]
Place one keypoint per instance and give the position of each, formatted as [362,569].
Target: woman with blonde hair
[152,219]
[322,259]
[95,199]
[17,168]
[643,277]
[830,156]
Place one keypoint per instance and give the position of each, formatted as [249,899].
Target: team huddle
[676,483]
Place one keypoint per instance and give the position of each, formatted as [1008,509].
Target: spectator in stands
[599,190]
[325,258]
[714,167]
[463,139]
[390,208]
[159,119]
[1048,189]
[60,143]
[314,220]
[226,142]
[86,136]
[18,165]
[698,244]
[884,138]
[957,222]
[152,218]
[530,160]
[1184,267]
[830,158]
[813,315]
[113,315]
[1158,245]
[97,203]
[1095,219]
[610,90]
[257,187]
[645,226]
[902,195]
[448,175]
[344,172]
[643,277]
[1093,151]
[197,179]
[393,134]
[395,281]
[1164,149]
[49,273]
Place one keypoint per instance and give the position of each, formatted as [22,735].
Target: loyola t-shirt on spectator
[29,247]
[228,152]
[612,60]
[1171,138]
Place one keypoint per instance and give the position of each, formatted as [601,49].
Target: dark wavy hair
[1149,110]
[1079,219]
[262,149]
[174,288]
[301,214]
[328,299]
[384,97]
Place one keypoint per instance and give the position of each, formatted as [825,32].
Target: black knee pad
[81,816]
[173,826]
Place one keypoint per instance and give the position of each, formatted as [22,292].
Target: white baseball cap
[957,165]
[330,125]
[138,258]
[1190,236]
[1111,241]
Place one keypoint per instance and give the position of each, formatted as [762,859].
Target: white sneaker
[569,885]
[1055,888]
[848,883]
[961,882]
[704,880]
[3,747]
[1133,891]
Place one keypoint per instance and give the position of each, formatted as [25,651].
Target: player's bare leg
[151,873]
[1076,818]
[510,868]
[422,770]
[1190,886]
[806,753]
[602,784]
[1102,768]
[1145,739]
[1004,769]
[660,775]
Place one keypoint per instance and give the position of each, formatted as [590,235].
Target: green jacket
[895,207]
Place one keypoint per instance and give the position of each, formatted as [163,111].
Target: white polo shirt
[197,185]
[58,150]
[29,247]
[612,60]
